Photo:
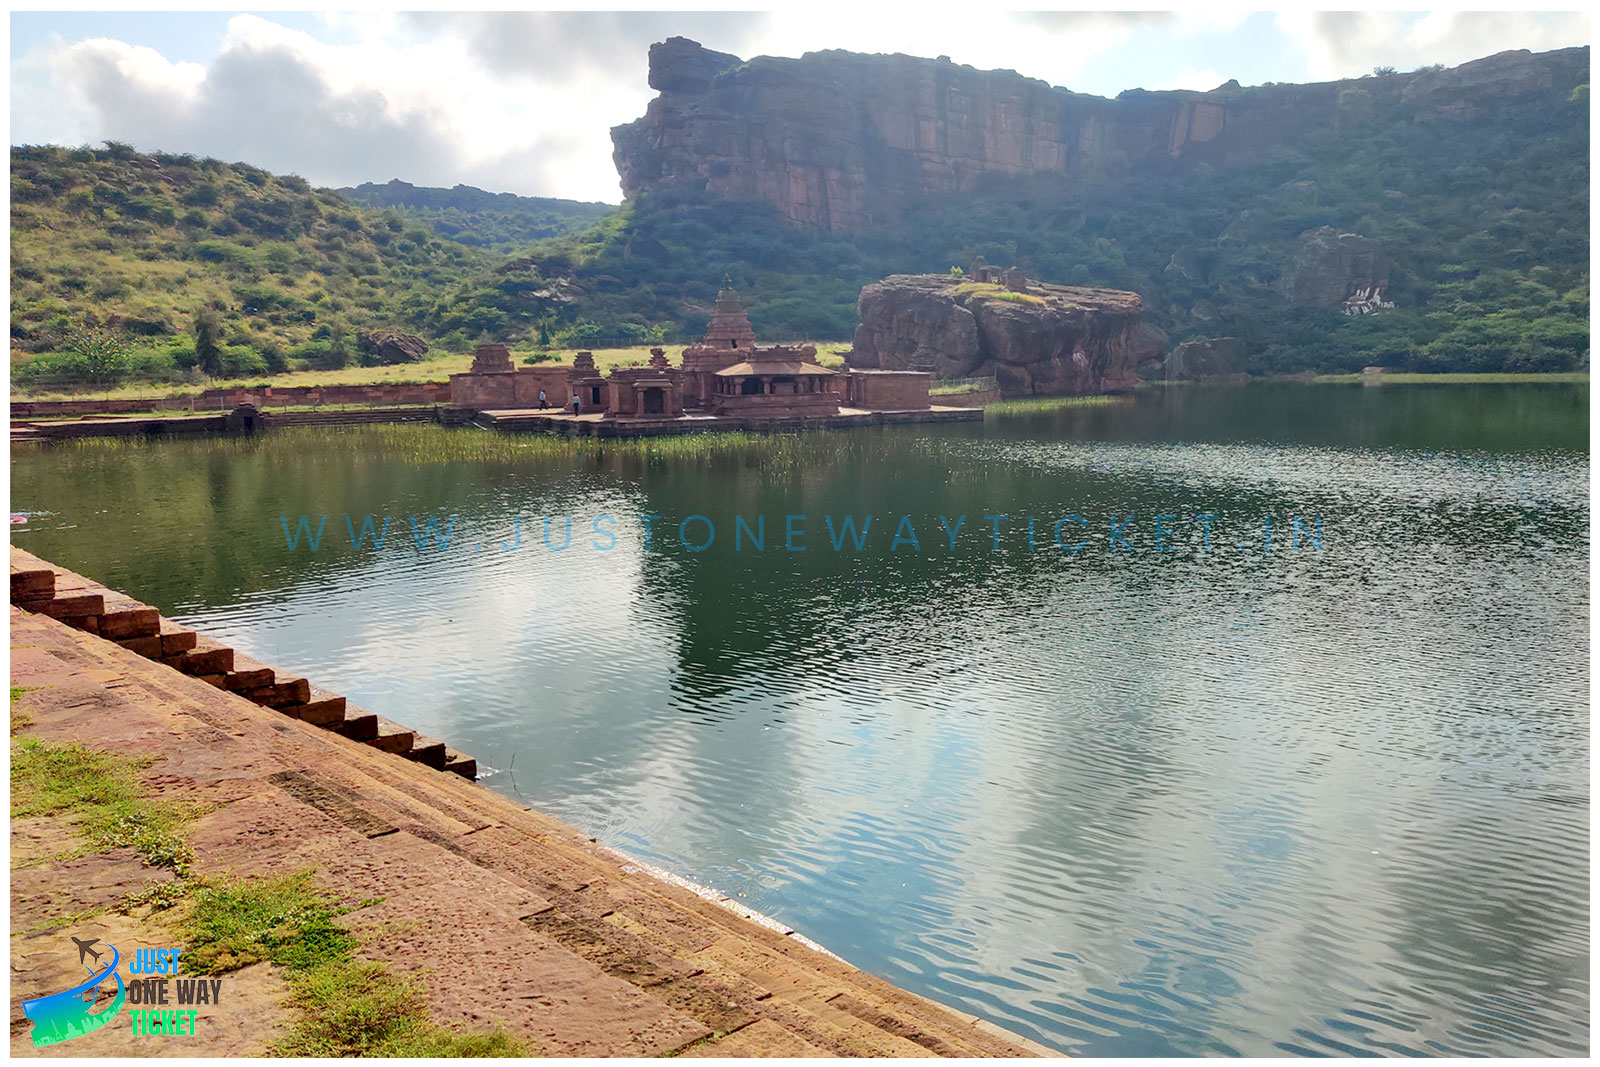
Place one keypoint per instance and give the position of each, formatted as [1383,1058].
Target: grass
[1031,405]
[1452,379]
[347,1007]
[423,445]
[104,796]
[993,291]
[20,720]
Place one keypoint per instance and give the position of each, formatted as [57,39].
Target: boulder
[1206,357]
[1036,339]
[391,346]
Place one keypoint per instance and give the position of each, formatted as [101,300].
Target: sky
[523,102]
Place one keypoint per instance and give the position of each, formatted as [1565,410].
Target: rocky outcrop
[1035,339]
[391,346]
[1207,357]
[838,140]
[1328,267]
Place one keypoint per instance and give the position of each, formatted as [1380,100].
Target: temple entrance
[655,402]
[750,387]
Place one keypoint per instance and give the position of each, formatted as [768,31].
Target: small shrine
[652,391]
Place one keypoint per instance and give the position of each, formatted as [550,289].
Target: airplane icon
[86,948]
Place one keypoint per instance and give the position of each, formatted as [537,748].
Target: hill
[1432,221]
[1460,196]
[504,222]
[140,245]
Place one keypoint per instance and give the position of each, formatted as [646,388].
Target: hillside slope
[501,221]
[142,244]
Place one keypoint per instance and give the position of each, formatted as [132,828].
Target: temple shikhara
[726,381]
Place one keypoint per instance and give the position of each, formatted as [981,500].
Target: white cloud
[392,103]
[1348,44]
[1199,80]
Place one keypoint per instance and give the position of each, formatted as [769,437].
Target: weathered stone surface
[838,140]
[1040,339]
[679,65]
[1209,357]
[392,346]
[1329,266]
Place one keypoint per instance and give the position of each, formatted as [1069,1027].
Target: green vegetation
[103,795]
[203,266]
[502,222]
[1032,405]
[992,291]
[347,1007]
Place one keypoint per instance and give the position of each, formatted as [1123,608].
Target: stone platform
[556,421]
[508,917]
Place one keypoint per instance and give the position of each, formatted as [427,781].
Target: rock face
[1036,339]
[837,139]
[1329,267]
[392,346]
[1210,357]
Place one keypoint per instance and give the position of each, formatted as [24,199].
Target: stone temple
[725,381]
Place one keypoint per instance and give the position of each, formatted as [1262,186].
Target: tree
[103,355]
[338,353]
[1383,72]
[208,354]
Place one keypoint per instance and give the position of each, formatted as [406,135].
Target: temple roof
[790,367]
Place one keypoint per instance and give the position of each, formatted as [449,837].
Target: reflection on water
[1128,803]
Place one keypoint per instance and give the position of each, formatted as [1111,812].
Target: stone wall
[978,399]
[512,389]
[888,390]
[221,399]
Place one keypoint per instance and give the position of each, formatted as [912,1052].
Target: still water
[1261,798]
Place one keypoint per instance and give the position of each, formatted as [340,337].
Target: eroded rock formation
[392,346]
[1329,267]
[1034,338]
[1206,357]
[838,139]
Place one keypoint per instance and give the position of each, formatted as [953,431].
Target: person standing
[576,405]
[543,402]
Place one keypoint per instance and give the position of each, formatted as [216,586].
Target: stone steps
[46,589]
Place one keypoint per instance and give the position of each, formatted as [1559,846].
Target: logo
[153,982]
[66,1015]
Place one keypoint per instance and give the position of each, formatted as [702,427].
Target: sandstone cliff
[1036,339]
[837,139]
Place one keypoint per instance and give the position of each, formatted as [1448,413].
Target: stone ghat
[507,917]
[536,421]
[46,589]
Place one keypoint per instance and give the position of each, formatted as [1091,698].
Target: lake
[1314,780]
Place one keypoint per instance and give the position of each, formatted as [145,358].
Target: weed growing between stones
[104,798]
